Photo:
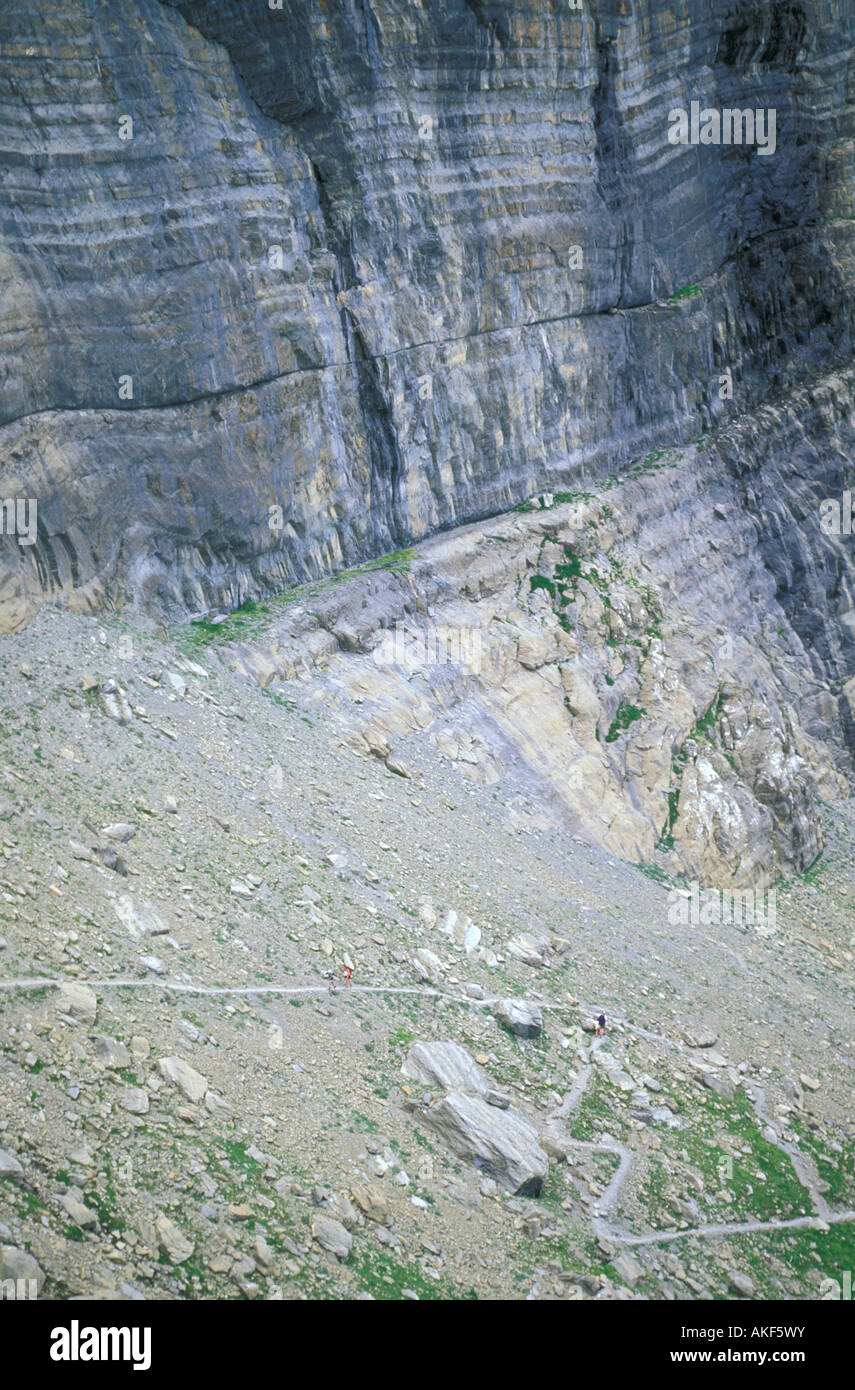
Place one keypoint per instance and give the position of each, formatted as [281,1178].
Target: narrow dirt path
[554,1125]
[822,1214]
[734,1228]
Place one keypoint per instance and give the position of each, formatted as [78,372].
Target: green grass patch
[805,1256]
[252,617]
[363,1124]
[597,1111]
[653,871]
[540,581]
[239,1158]
[386,1277]
[814,869]
[761,1182]
[626,715]
[685,292]
[836,1170]
[704,727]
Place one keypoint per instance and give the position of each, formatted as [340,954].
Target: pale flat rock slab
[620,1078]
[535,650]
[216,1105]
[172,1240]
[17,1265]
[332,1236]
[445,1064]
[615,1072]
[741,1285]
[10,1167]
[141,918]
[628,1267]
[78,1212]
[119,830]
[112,1054]
[428,966]
[191,1083]
[78,1000]
[527,949]
[371,1200]
[135,1100]
[719,1085]
[462,930]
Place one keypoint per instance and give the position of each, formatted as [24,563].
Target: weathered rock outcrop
[623,657]
[520,1016]
[285,288]
[445,1064]
[474,1120]
[500,1142]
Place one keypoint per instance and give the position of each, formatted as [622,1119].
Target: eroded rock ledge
[657,660]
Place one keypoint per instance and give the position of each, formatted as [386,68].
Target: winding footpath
[555,1126]
[604,1230]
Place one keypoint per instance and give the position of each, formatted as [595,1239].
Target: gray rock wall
[335,260]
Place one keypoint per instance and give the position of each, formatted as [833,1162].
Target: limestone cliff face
[390,265]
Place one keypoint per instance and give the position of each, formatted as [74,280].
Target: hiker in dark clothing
[601,1026]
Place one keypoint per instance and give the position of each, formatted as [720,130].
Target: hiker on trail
[601,1026]
[347,974]
[331,978]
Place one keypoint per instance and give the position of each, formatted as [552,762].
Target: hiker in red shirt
[347,974]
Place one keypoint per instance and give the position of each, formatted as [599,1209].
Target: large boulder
[521,1016]
[462,931]
[191,1083]
[172,1240]
[141,918]
[428,966]
[19,1268]
[77,1000]
[527,948]
[332,1236]
[445,1064]
[500,1142]
[10,1166]
[371,1200]
[111,1053]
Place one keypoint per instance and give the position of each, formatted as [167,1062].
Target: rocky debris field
[189,1109]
